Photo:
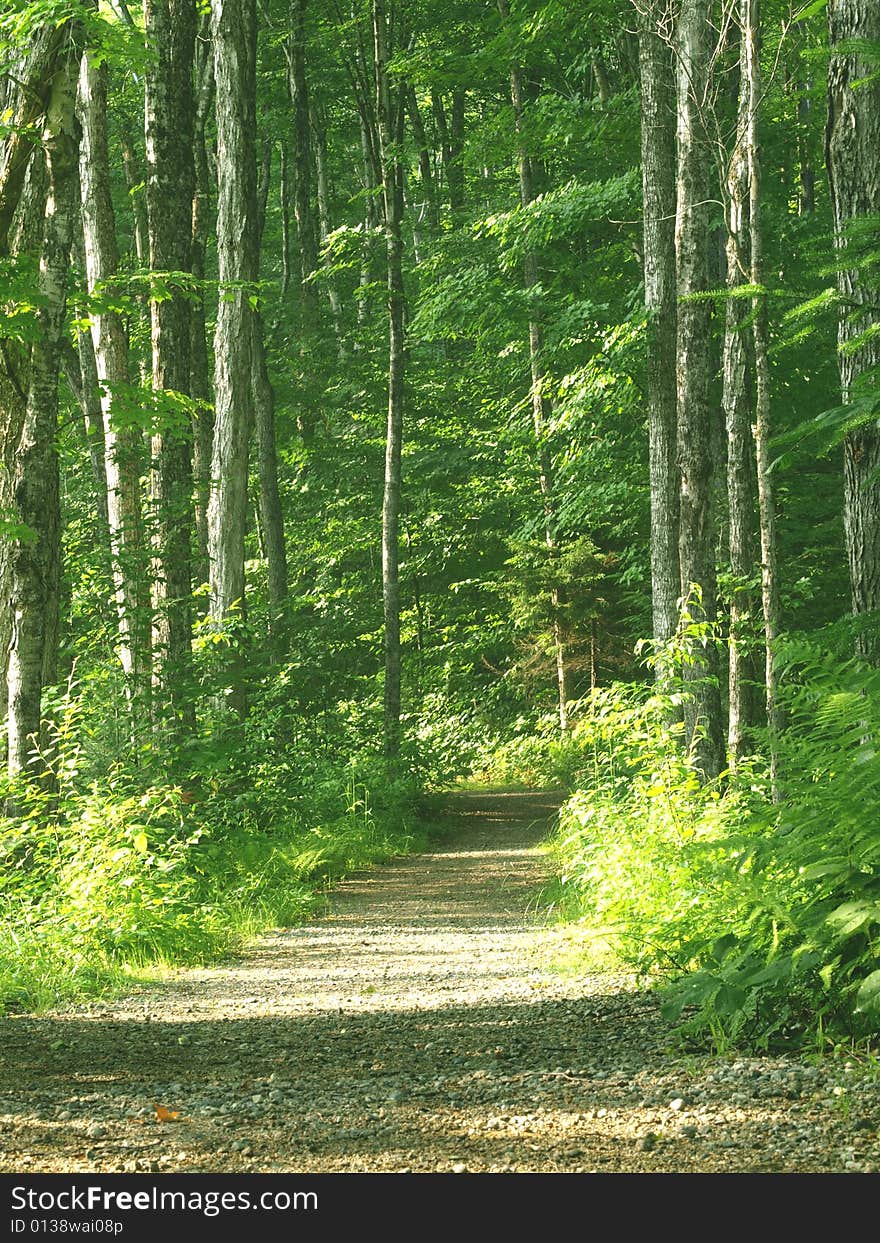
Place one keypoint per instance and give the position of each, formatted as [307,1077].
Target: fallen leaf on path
[166,1115]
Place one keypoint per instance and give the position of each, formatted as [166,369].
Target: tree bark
[271,515]
[388,119]
[170,29]
[200,378]
[35,82]
[122,445]
[233,26]
[763,427]
[658,188]
[737,400]
[285,205]
[306,231]
[35,557]
[81,373]
[702,709]
[852,144]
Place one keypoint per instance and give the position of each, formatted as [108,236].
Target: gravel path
[417,1026]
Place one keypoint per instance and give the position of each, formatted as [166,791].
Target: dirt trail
[417,1026]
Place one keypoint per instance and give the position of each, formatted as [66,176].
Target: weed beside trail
[761,924]
[102,884]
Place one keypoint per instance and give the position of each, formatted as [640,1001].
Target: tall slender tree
[35,553]
[122,444]
[658,192]
[233,29]
[750,23]
[200,378]
[738,392]
[702,712]
[170,27]
[389,116]
[852,143]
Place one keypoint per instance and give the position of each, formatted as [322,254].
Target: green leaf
[868,996]
[852,917]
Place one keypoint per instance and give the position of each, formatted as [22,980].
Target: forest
[397,394]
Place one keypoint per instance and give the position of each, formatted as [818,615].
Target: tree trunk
[35,558]
[540,403]
[134,182]
[451,131]
[271,515]
[392,199]
[122,446]
[807,173]
[702,709]
[306,232]
[200,378]
[737,400]
[170,30]
[852,144]
[35,83]
[763,429]
[323,187]
[233,26]
[371,220]
[429,209]
[81,373]
[271,518]
[658,187]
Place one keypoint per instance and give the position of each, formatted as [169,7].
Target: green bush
[761,920]
[118,877]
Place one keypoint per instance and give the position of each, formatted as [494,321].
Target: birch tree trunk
[852,145]
[35,557]
[233,27]
[702,710]
[170,29]
[81,374]
[35,81]
[763,428]
[122,445]
[658,188]
[737,400]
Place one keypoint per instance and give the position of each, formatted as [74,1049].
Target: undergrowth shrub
[761,920]
[534,756]
[107,879]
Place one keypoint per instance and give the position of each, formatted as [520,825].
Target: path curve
[419,1025]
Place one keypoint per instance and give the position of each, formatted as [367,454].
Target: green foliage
[762,923]
[104,879]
